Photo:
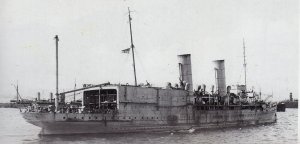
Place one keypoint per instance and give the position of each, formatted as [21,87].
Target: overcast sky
[93,33]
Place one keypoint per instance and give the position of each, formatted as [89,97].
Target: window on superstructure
[108,100]
[100,101]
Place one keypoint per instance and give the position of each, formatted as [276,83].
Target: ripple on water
[16,130]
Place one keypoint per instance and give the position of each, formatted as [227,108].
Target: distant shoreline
[7,105]
[12,105]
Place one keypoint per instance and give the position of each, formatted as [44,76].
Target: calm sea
[14,129]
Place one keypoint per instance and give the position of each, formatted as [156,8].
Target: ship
[123,108]
[281,107]
[290,103]
[18,101]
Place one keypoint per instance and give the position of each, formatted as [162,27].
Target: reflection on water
[15,130]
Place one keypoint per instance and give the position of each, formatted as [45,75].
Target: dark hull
[291,104]
[281,107]
[104,123]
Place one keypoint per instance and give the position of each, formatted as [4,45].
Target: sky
[92,34]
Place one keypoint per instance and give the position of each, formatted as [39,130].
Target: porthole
[89,117]
[82,118]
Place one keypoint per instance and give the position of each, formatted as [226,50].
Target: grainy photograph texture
[138,71]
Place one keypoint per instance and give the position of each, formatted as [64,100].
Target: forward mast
[132,46]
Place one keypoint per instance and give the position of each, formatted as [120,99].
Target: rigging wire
[142,68]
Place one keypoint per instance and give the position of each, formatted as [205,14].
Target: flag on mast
[126,50]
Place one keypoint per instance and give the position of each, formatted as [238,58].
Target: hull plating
[105,123]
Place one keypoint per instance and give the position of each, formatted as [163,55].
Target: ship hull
[52,123]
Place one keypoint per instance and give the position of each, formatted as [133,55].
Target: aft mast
[74,97]
[18,94]
[245,64]
[132,47]
[56,94]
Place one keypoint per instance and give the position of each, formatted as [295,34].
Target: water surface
[14,129]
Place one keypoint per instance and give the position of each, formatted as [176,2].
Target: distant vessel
[291,103]
[118,108]
[281,107]
[18,102]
